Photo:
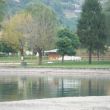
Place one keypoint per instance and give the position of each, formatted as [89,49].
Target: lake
[14,88]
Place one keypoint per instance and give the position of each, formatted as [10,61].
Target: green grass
[9,59]
[73,64]
[32,61]
[16,59]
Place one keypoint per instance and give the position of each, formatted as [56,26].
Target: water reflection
[20,88]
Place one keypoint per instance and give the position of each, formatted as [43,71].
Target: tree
[91,27]
[15,31]
[106,10]
[67,43]
[2,10]
[101,41]
[43,29]
[6,47]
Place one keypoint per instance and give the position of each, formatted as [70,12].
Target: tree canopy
[107,19]
[6,47]
[67,43]
[2,10]
[91,27]
[2,7]
[43,29]
[15,30]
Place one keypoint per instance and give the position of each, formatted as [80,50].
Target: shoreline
[104,73]
[68,103]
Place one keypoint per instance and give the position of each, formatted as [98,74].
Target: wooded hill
[67,11]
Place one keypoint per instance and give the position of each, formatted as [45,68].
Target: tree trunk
[90,55]
[98,55]
[40,56]
[22,54]
[40,59]
[21,50]
[62,59]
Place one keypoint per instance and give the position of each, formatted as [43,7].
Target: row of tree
[36,28]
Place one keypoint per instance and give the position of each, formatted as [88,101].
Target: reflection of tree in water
[8,91]
[89,88]
[68,87]
[62,88]
[41,88]
[95,88]
[46,87]
[38,88]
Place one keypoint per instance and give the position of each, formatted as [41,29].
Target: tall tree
[15,31]
[43,29]
[91,27]
[67,43]
[106,9]
[2,10]
[101,41]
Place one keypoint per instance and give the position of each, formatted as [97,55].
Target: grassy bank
[16,59]
[73,64]
[32,61]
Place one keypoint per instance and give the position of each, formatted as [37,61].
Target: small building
[52,54]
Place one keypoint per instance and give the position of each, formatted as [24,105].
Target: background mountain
[67,11]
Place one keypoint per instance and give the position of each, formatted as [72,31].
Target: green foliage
[15,28]
[91,27]
[67,43]
[74,38]
[107,18]
[65,46]
[59,7]
[101,40]
[43,28]
[2,9]
[6,48]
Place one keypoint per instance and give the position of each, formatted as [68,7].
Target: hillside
[67,10]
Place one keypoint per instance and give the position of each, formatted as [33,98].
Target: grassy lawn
[16,59]
[32,62]
[73,64]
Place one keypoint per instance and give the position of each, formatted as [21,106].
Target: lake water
[22,87]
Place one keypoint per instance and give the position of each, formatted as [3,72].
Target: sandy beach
[69,103]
